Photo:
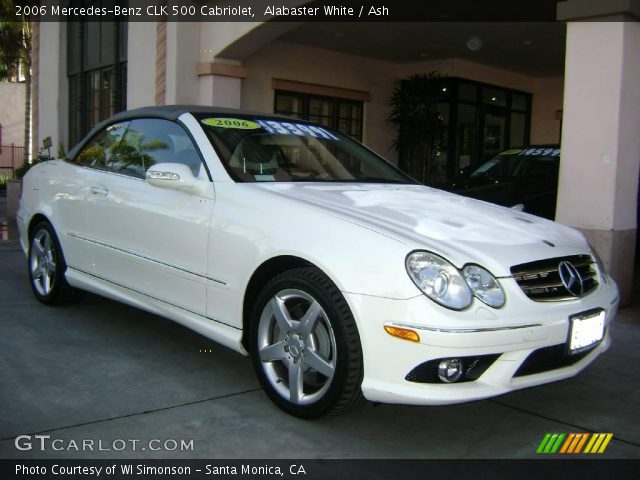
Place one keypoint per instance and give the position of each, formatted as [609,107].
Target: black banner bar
[319,469]
[285,10]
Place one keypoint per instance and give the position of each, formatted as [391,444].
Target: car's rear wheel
[47,266]
[305,345]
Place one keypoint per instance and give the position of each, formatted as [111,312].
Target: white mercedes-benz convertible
[342,277]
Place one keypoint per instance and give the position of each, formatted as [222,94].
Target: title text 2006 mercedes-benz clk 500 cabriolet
[343,278]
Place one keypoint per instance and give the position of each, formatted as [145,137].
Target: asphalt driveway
[103,371]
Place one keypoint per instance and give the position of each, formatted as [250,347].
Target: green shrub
[22,170]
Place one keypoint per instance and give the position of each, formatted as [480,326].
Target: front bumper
[512,334]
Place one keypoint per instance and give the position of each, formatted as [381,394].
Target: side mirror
[175,176]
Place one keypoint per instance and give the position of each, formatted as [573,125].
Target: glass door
[494,139]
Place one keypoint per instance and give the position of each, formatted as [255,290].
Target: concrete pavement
[102,371]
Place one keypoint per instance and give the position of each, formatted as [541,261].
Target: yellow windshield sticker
[513,151]
[238,123]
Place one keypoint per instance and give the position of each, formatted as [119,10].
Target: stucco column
[52,86]
[598,190]
[182,54]
[221,83]
[141,63]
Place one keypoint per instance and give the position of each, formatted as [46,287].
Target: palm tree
[15,58]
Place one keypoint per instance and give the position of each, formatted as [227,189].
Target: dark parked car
[525,177]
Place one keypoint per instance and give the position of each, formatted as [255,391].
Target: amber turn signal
[403,333]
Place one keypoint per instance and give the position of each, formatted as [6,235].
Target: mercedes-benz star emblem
[571,278]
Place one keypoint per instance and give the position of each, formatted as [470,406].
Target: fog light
[450,370]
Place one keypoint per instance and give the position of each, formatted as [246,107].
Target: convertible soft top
[168,112]
[173,112]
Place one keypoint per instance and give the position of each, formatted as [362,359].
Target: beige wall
[12,113]
[456,67]
[190,43]
[314,65]
[547,102]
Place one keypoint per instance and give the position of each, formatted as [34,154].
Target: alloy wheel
[297,346]
[42,262]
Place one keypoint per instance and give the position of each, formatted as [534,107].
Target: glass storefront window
[517,129]
[342,115]
[467,92]
[479,121]
[289,105]
[518,101]
[494,96]
[493,141]
[97,73]
[466,134]
[321,111]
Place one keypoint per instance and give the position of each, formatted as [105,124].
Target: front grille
[541,282]
[549,358]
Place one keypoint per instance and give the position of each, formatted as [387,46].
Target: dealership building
[573,80]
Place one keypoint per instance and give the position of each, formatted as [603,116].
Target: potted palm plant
[420,133]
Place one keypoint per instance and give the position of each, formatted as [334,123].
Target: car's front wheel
[47,266]
[305,345]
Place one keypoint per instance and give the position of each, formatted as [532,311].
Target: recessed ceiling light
[444,89]
[527,42]
[493,99]
[474,43]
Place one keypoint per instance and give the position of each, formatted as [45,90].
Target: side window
[543,169]
[102,148]
[150,141]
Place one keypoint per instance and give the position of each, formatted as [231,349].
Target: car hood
[462,229]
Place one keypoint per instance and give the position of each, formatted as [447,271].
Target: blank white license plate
[587,330]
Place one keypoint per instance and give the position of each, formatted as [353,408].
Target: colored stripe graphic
[598,443]
[568,442]
[543,443]
[556,445]
[551,443]
[573,443]
[581,442]
[605,443]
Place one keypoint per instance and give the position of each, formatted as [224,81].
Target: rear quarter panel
[57,190]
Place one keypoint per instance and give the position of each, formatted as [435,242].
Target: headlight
[439,280]
[484,285]
[599,264]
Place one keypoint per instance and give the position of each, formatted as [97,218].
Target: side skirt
[221,333]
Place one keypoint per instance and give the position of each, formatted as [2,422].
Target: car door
[149,239]
[74,188]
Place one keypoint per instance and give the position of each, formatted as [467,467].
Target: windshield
[255,149]
[518,162]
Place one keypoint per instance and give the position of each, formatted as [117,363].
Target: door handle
[102,191]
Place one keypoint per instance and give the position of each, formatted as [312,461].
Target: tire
[305,345]
[46,267]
